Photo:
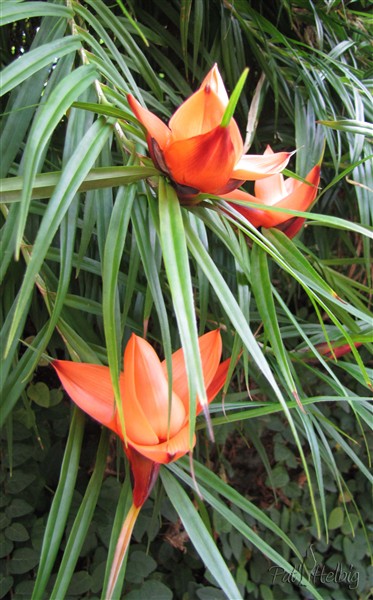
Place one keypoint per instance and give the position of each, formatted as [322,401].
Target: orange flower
[152,438]
[281,193]
[152,435]
[196,152]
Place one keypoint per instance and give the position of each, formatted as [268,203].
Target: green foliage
[95,245]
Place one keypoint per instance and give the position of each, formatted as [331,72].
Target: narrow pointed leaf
[230,304]
[97,178]
[199,535]
[15,11]
[123,507]
[239,322]
[82,521]
[61,504]
[114,246]
[44,124]
[175,256]
[229,111]
[75,171]
[244,529]
[34,60]
[152,275]
[261,285]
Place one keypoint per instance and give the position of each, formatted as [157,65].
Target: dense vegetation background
[84,264]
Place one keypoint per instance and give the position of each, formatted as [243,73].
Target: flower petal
[254,215]
[270,189]
[153,125]
[218,380]
[145,393]
[203,111]
[292,226]
[90,387]
[300,199]
[204,162]
[251,166]
[168,451]
[199,114]
[210,346]
[214,81]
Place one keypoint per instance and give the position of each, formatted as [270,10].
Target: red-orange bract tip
[195,152]
[335,351]
[278,192]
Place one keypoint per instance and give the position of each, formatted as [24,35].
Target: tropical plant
[100,241]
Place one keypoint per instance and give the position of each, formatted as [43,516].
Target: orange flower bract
[144,392]
[196,152]
[280,193]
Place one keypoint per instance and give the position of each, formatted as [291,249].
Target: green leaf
[23,100]
[17,376]
[74,173]
[229,304]
[238,320]
[46,120]
[98,178]
[6,583]
[336,518]
[23,560]
[19,482]
[123,506]
[197,29]
[199,536]
[245,530]
[351,125]
[233,100]
[34,60]
[15,11]
[4,520]
[81,582]
[65,576]
[152,590]
[266,592]
[210,593]
[105,109]
[261,285]
[185,9]
[59,510]
[280,477]
[18,508]
[17,532]
[39,393]
[6,546]
[116,237]
[207,478]
[176,260]
[139,567]
[124,37]
[144,226]
[133,22]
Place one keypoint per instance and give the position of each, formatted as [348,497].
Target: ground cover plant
[201,291]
